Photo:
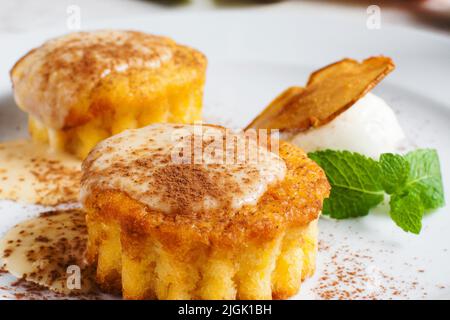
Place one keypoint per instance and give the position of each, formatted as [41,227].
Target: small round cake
[84,87]
[201,212]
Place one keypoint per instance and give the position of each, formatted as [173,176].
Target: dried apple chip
[329,92]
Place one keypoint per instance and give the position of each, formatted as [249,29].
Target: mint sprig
[359,183]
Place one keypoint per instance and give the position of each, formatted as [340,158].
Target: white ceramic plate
[254,55]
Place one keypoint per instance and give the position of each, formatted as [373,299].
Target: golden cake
[177,212]
[84,87]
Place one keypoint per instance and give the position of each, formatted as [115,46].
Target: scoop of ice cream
[369,127]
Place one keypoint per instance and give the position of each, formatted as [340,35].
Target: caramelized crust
[294,202]
[257,251]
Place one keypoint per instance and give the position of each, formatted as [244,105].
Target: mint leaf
[425,177]
[395,172]
[355,183]
[359,183]
[407,211]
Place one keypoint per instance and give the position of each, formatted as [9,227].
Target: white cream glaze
[48,250]
[146,164]
[49,80]
[30,173]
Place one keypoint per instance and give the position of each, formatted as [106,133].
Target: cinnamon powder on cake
[187,185]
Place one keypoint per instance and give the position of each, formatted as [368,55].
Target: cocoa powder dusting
[41,250]
[33,174]
[349,273]
[183,170]
[187,185]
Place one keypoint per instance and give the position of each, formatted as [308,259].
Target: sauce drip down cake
[166,223]
[84,87]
